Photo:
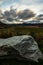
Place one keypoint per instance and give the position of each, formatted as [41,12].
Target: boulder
[21,47]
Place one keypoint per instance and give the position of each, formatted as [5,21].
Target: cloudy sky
[34,5]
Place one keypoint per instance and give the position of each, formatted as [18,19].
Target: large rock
[20,47]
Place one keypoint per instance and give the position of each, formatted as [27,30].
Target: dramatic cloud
[25,14]
[35,5]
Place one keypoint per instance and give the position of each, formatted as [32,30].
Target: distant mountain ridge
[23,16]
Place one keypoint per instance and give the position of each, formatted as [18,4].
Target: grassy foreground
[37,33]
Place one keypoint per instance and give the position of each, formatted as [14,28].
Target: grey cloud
[26,14]
[23,14]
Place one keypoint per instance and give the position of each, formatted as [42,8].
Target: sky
[34,5]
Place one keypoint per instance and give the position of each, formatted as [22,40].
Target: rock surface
[20,47]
